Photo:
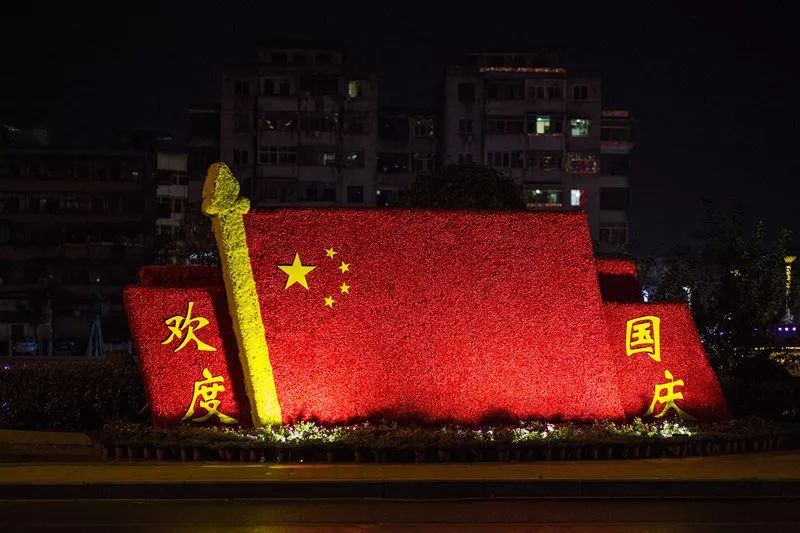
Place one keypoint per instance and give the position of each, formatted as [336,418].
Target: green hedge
[70,395]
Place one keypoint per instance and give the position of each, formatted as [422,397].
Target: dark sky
[713,89]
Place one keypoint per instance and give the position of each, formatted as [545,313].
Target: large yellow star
[297,272]
[330,252]
[344,267]
[329,301]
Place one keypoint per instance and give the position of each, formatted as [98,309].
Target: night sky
[713,90]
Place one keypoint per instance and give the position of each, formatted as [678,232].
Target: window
[277,155]
[279,58]
[357,124]
[355,194]
[580,93]
[544,197]
[498,159]
[464,159]
[392,162]
[543,124]
[354,159]
[278,120]
[580,127]
[517,159]
[575,197]
[512,125]
[466,92]
[324,59]
[241,87]
[319,122]
[545,92]
[613,233]
[299,58]
[423,127]
[505,89]
[422,163]
[583,163]
[320,192]
[69,203]
[241,122]
[465,126]
[319,85]
[240,157]
[543,161]
[276,86]
[614,198]
[357,89]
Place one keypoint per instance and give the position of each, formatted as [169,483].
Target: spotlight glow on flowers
[430,315]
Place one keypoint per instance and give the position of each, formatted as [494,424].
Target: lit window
[543,124]
[575,197]
[545,197]
[357,88]
[580,127]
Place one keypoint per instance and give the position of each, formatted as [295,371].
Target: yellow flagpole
[222,203]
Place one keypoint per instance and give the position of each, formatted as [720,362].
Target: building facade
[299,126]
[172,194]
[407,147]
[203,146]
[75,226]
[527,116]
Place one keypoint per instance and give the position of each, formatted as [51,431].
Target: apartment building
[299,126]
[540,124]
[407,147]
[75,226]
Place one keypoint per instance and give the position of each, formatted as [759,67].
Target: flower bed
[530,441]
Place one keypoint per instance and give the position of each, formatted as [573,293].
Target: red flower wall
[447,316]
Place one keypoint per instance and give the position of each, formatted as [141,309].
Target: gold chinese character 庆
[643,335]
[668,399]
[206,391]
[178,325]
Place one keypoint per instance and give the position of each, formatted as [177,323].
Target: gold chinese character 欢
[643,335]
[668,399]
[177,324]
[206,391]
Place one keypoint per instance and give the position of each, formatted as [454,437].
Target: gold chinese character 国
[206,391]
[668,399]
[178,325]
[643,335]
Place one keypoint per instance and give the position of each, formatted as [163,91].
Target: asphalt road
[729,515]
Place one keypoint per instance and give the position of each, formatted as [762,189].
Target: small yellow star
[345,288]
[329,301]
[330,252]
[344,267]
[297,272]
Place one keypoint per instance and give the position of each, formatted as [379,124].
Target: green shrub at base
[70,395]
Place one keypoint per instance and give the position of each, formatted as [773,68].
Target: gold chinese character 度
[206,391]
[178,324]
[668,399]
[643,335]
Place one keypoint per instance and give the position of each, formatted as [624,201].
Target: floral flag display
[343,314]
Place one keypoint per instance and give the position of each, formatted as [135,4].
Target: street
[509,515]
